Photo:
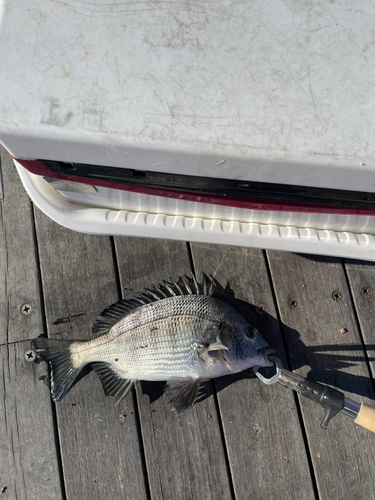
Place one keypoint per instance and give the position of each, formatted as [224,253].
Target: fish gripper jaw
[330,399]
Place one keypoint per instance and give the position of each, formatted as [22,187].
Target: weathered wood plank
[1,183]
[362,284]
[28,460]
[18,263]
[321,334]
[265,445]
[100,443]
[185,456]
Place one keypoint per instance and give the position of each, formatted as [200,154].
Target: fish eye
[250,332]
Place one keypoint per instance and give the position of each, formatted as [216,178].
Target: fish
[177,332]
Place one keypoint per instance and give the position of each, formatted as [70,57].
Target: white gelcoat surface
[261,90]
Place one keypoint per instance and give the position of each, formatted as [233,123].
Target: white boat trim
[104,221]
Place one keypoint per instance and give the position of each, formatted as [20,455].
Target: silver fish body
[182,338]
[169,338]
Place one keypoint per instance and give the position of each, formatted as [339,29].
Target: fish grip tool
[332,400]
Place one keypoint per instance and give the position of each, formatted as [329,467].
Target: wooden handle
[366,417]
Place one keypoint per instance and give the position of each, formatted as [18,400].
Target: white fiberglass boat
[246,123]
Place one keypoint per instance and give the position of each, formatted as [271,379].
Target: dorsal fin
[184,286]
[115,313]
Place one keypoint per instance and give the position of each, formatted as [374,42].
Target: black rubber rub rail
[283,193]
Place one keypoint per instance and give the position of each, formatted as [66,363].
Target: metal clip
[330,399]
[276,377]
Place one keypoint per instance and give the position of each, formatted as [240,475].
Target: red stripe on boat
[36,167]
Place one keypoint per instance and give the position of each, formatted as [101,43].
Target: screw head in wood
[293,303]
[260,309]
[30,355]
[337,296]
[366,291]
[26,309]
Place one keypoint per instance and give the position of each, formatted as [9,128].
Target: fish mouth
[264,352]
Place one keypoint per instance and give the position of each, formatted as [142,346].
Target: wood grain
[28,460]
[185,456]
[321,335]
[18,262]
[100,443]
[362,285]
[266,450]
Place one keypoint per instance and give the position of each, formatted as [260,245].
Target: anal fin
[183,392]
[113,384]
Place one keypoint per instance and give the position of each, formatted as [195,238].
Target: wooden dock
[244,440]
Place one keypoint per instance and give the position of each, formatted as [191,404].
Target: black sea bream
[177,332]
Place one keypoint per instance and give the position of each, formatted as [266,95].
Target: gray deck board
[100,445]
[18,260]
[267,455]
[185,454]
[28,457]
[322,335]
[361,277]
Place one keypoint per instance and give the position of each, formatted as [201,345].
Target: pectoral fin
[183,392]
[217,346]
[217,354]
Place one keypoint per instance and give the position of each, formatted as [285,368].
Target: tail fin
[63,373]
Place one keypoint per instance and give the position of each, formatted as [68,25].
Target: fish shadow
[154,390]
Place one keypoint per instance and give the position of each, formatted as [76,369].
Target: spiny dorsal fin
[176,286]
[196,285]
[115,313]
[184,286]
[187,286]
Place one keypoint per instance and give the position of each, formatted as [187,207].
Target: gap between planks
[217,405]
[288,364]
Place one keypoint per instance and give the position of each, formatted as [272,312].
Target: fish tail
[60,358]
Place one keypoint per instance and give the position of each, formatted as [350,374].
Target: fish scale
[169,350]
[178,333]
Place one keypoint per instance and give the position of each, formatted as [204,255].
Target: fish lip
[267,351]
[264,352]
